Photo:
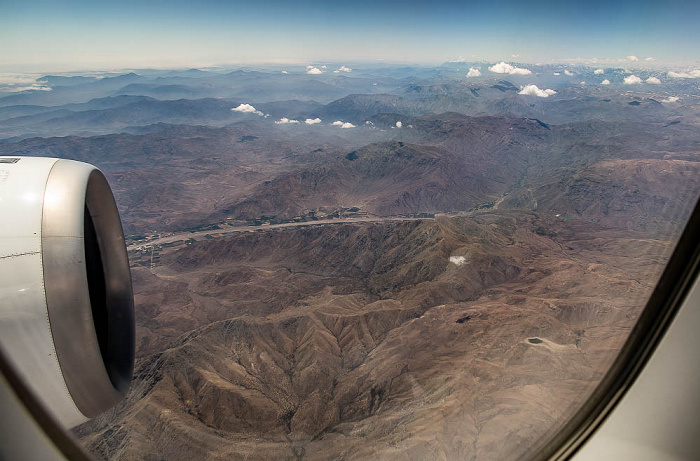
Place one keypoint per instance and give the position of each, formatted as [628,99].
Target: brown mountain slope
[462,360]
[384,179]
[260,273]
[650,194]
[173,177]
[452,162]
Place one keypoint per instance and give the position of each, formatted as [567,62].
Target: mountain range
[397,262]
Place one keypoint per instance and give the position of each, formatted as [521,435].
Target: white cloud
[505,68]
[458,260]
[632,58]
[568,72]
[474,72]
[671,99]
[343,69]
[312,121]
[324,67]
[695,73]
[598,71]
[18,79]
[285,72]
[342,124]
[653,80]
[368,122]
[13,83]
[285,121]
[311,70]
[631,80]
[533,90]
[649,59]
[34,87]
[557,73]
[399,124]
[244,108]
[247,109]
[605,82]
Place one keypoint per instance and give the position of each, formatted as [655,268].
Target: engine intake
[66,302]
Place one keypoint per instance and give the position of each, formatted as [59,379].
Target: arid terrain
[364,340]
[439,268]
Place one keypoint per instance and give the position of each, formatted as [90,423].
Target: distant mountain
[21,111]
[434,163]
[358,108]
[159,91]
[106,103]
[76,93]
[177,175]
[31,118]
[385,179]
[115,114]
[59,80]
[497,96]
[189,73]
[654,195]
[465,163]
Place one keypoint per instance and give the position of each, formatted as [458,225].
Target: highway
[226,229]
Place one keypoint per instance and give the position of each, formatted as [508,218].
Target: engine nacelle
[66,302]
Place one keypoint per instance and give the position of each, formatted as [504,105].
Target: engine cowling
[66,301]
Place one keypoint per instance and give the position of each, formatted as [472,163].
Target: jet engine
[66,302]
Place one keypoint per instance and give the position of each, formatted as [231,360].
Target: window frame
[674,286]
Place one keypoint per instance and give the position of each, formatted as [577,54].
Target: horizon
[631,63]
[13,82]
[626,64]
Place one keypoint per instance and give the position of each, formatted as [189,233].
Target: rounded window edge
[673,287]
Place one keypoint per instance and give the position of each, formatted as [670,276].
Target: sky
[100,35]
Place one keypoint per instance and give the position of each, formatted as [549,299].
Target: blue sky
[77,34]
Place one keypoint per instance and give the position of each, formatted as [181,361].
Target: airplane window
[367,231]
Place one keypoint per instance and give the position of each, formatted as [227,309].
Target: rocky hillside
[461,337]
